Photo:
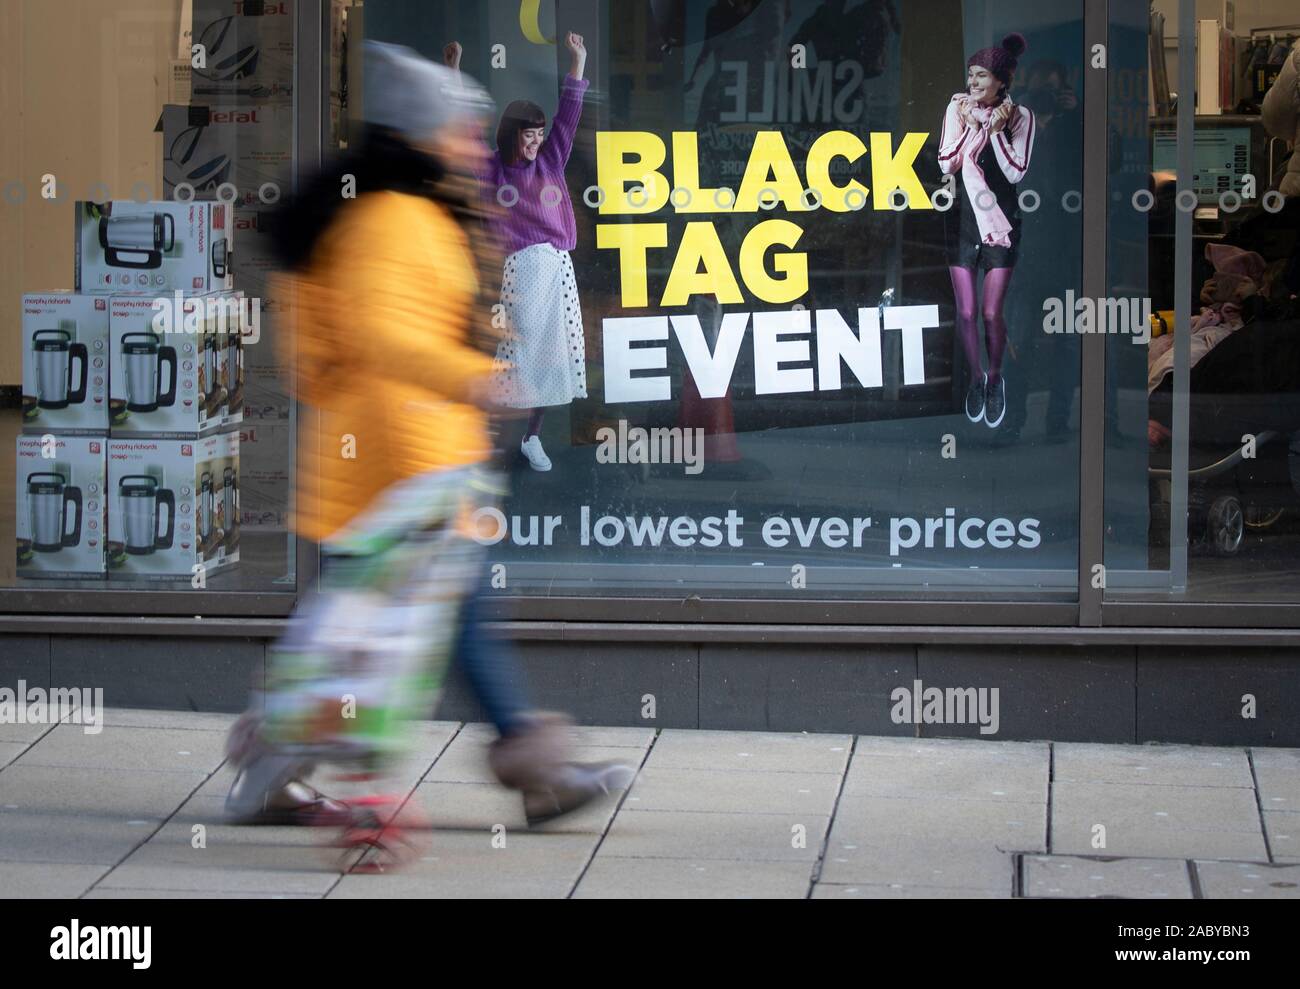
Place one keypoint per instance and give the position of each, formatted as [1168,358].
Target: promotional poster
[825,296]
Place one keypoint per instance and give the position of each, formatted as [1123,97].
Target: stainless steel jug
[55,354]
[144,357]
[140,503]
[137,240]
[48,498]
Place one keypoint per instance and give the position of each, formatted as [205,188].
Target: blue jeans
[491,667]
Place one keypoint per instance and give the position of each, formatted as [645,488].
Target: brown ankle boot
[536,761]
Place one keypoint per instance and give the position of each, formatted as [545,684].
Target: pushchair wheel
[1225,524]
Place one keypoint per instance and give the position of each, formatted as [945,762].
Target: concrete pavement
[135,811]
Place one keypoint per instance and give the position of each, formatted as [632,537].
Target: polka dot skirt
[543,358]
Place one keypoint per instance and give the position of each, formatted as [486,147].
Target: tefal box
[173,506]
[60,506]
[129,247]
[65,363]
[247,148]
[174,364]
[248,48]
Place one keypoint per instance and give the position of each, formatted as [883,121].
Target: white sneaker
[531,448]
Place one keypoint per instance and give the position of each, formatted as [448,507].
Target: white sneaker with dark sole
[532,450]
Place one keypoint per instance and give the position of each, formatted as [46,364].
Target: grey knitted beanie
[407,93]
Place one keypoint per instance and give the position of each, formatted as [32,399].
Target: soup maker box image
[61,506]
[65,363]
[128,247]
[173,506]
[176,364]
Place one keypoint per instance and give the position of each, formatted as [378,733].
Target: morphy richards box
[65,363]
[173,506]
[60,506]
[177,367]
[126,247]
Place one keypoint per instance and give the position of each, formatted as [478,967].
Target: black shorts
[971,254]
[962,246]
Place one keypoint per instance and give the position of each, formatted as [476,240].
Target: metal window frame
[973,619]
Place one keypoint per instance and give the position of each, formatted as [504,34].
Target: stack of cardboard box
[133,395]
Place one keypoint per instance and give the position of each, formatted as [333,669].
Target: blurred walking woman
[543,360]
[384,288]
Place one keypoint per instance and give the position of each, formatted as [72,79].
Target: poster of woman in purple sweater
[543,359]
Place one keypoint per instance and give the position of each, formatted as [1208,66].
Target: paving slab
[9,751]
[1172,843]
[189,894]
[71,815]
[1077,877]
[1283,828]
[1163,765]
[481,806]
[905,891]
[465,759]
[734,791]
[131,876]
[582,735]
[612,877]
[47,880]
[1248,881]
[224,846]
[1001,824]
[754,751]
[1277,773]
[1017,776]
[703,835]
[952,748]
[916,859]
[1137,806]
[461,865]
[22,733]
[150,750]
[135,717]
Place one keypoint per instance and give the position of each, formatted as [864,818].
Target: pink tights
[996,281]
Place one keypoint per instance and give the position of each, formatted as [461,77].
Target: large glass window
[758,378]
[1203,406]
[150,446]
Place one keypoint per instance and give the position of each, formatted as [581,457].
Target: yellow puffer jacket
[378,348]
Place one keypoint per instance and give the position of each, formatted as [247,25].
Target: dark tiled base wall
[1098,694]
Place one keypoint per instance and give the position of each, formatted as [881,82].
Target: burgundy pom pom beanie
[1001,59]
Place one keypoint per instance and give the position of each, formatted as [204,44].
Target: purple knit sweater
[543,214]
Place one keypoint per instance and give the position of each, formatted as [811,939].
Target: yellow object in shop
[1162,322]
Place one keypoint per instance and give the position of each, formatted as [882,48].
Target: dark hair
[381,161]
[519,115]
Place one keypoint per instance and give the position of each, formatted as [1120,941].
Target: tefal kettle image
[48,498]
[143,357]
[141,500]
[55,356]
[137,240]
